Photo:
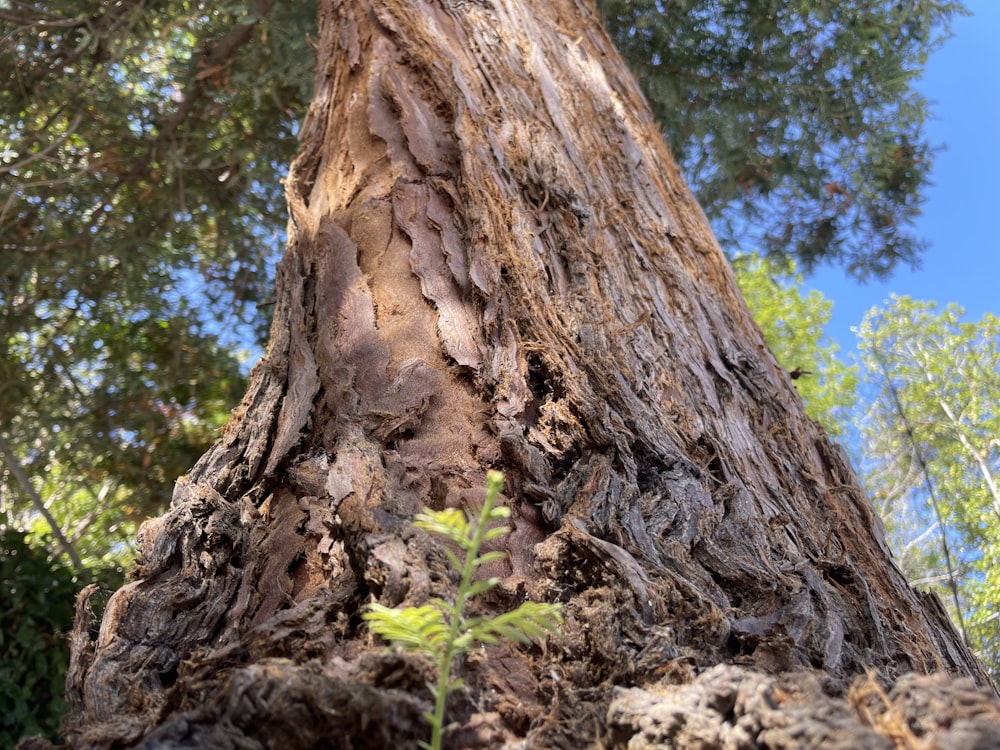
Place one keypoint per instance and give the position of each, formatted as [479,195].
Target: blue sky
[961,217]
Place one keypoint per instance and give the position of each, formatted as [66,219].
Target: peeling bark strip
[493,263]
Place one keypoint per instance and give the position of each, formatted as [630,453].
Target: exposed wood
[494,263]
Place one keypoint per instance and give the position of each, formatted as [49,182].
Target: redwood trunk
[494,263]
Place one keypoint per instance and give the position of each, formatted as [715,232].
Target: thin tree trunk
[493,263]
[64,544]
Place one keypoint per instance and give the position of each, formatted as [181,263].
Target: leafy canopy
[140,162]
[795,121]
[793,323]
[933,454]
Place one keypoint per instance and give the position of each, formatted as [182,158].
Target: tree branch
[15,467]
[984,469]
[918,455]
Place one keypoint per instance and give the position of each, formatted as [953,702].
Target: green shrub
[36,614]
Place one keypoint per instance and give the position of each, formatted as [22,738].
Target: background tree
[793,323]
[493,261]
[140,213]
[795,121]
[933,456]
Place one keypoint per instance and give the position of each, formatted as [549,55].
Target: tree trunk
[494,263]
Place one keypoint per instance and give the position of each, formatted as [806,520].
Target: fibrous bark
[493,263]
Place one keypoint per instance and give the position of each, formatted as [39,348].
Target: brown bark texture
[494,263]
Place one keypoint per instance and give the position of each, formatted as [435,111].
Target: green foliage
[142,147]
[795,121]
[37,595]
[793,324]
[441,630]
[36,613]
[933,454]
[108,416]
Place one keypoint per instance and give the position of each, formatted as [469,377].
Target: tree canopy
[796,122]
[141,213]
[933,457]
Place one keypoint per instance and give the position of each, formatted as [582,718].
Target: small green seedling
[440,629]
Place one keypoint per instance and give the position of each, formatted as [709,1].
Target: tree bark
[494,263]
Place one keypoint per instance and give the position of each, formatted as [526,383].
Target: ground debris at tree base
[277,703]
[731,708]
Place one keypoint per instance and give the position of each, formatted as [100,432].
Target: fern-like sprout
[439,629]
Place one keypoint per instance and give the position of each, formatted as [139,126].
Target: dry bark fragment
[731,708]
